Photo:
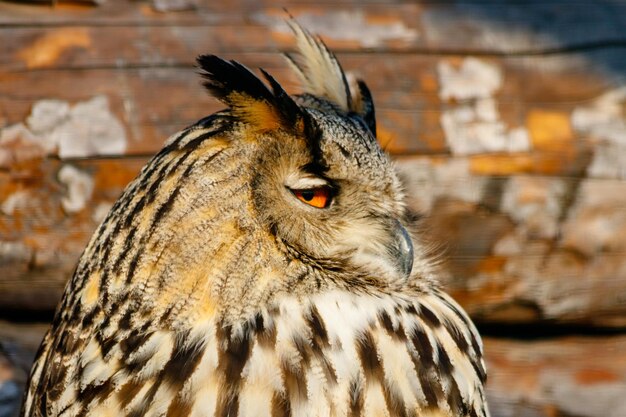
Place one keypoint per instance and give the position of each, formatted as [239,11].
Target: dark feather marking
[105,344]
[373,369]
[125,322]
[319,341]
[457,404]
[164,208]
[133,342]
[456,311]
[194,143]
[429,381]
[280,406]
[431,386]
[457,335]
[183,362]
[147,400]
[223,78]
[445,365]
[57,373]
[369,113]
[316,324]
[132,266]
[479,369]
[295,382]
[430,317]
[423,347]
[266,335]
[346,154]
[179,407]
[293,374]
[411,310]
[129,241]
[232,357]
[304,348]
[387,324]
[129,391]
[91,392]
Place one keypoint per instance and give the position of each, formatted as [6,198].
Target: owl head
[275,194]
[321,185]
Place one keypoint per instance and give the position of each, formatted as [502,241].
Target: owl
[262,264]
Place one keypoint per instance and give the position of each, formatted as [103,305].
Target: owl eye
[319,197]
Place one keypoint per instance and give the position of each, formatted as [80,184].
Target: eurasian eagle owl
[260,265]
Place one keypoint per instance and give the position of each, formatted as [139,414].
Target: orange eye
[316,197]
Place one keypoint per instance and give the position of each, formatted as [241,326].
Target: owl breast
[331,354]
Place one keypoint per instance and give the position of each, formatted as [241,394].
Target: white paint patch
[473,79]
[16,252]
[16,201]
[18,143]
[79,188]
[54,126]
[604,121]
[597,222]
[535,204]
[46,115]
[90,130]
[345,25]
[426,181]
[474,126]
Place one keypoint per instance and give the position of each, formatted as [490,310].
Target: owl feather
[261,265]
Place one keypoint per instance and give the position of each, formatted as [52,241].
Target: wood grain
[503,119]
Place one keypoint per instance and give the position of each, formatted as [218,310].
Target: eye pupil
[308,195]
[316,197]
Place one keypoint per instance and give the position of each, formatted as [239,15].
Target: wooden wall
[507,121]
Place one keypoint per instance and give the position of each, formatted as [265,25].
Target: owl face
[334,196]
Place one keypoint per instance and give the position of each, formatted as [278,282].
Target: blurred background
[507,120]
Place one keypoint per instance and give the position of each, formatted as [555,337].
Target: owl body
[261,265]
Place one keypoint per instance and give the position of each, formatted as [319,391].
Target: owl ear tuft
[249,99]
[318,69]
[363,104]
[321,75]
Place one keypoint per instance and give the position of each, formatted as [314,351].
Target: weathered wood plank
[567,376]
[49,211]
[517,247]
[518,27]
[413,94]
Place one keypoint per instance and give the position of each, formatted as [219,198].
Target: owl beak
[400,249]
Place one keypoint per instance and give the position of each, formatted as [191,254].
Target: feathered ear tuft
[249,99]
[318,69]
[321,75]
[364,105]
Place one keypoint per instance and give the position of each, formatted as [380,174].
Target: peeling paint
[604,121]
[14,252]
[79,188]
[16,201]
[535,204]
[345,26]
[474,126]
[18,144]
[597,222]
[428,181]
[85,129]
[473,79]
